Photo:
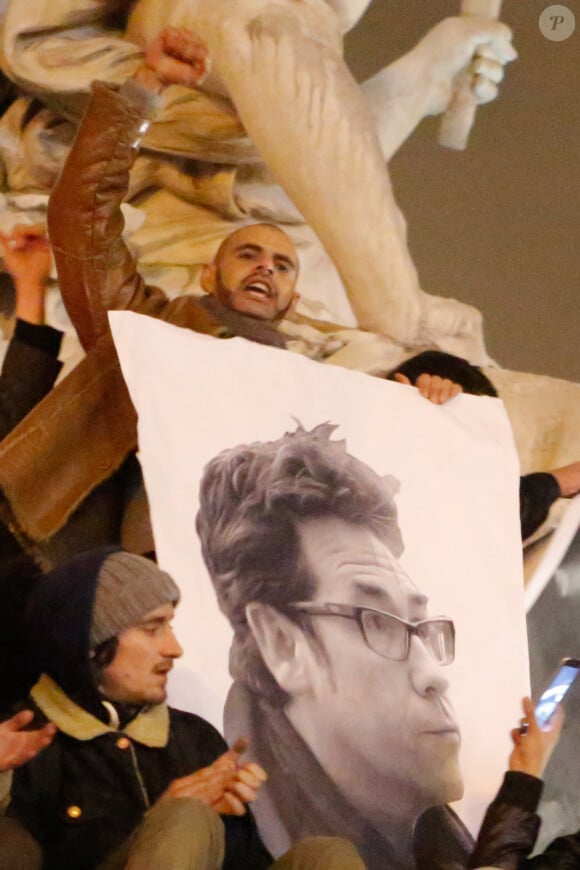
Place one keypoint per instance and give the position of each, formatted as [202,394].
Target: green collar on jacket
[150,727]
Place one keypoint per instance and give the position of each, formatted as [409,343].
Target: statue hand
[479,47]
[177,57]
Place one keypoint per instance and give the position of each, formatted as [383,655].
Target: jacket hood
[59,624]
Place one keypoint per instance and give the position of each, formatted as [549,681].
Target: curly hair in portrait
[251,497]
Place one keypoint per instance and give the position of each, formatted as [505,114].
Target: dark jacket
[85,794]
[510,828]
[538,492]
[511,825]
[18,577]
[561,854]
[83,430]
[29,371]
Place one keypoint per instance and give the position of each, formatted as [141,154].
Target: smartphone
[556,691]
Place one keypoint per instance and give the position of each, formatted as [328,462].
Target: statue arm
[304,111]
[308,119]
[282,65]
[421,82]
[349,12]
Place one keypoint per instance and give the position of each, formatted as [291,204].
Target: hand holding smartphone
[555,692]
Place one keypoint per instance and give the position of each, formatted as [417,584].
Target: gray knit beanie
[128,587]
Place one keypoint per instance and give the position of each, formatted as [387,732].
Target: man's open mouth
[259,288]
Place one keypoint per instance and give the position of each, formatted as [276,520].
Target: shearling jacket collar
[150,727]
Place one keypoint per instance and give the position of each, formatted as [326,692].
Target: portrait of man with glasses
[338,667]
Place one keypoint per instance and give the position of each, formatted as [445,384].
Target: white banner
[348,704]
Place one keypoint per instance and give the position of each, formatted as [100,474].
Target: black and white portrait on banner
[350,565]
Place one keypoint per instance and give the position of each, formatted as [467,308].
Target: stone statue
[320,135]
[280,131]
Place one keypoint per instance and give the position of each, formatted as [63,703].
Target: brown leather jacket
[82,431]
[80,434]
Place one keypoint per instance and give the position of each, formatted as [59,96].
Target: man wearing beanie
[128,781]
